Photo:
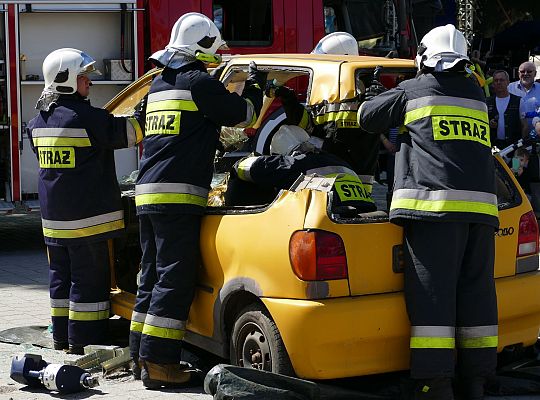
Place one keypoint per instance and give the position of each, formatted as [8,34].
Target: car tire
[256,342]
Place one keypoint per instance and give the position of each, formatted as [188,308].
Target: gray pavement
[24,301]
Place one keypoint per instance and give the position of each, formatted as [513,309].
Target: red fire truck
[121,35]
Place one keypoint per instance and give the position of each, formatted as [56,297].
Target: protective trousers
[450,297]
[170,259]
[79,287]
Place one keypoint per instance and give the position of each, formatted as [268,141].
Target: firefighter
[444,197]
[335,123]
[295,155]
[186,108]
[74,143]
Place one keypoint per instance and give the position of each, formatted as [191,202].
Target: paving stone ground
[24,301]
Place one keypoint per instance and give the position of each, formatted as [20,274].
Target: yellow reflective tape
[163,123]
[432,343]
[136,326]
[61,141]
[448,111]
[59,311]
[478,343]
[89,315]
[138,130]
[170,198]
[172,105]
[254,116]
[455,128]
[165,333]
[83,232]
[445,206]
[343,119]
[56,157]
[351,189]
[305,120]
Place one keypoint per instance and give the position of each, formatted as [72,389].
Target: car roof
[333,75]
[300,58]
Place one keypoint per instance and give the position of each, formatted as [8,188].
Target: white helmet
[441,48]
[193,33]
[61,68]
[337,43]
[287,138]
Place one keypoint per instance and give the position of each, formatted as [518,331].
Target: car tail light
[528,235]
[318,256]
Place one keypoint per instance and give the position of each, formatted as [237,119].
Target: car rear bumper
[370,334]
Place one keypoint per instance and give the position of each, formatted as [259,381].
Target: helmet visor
[88,65]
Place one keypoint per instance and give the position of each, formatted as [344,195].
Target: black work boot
[74,349]
[433,389]
[60,345]
[471,388]
[136,369]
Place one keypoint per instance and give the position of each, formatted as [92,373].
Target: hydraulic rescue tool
[33,371]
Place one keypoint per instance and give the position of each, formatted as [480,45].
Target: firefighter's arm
[108,131]
[224,108]
[296,113]
[274,171]
[383,112]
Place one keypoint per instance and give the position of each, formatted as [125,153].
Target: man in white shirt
[529,91]
[504,113]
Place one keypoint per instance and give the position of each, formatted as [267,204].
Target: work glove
[284,93]
[255,76]
[216,72]
[375,89]
[140,112]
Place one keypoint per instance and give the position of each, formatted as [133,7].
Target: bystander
[529,91]
[503,111]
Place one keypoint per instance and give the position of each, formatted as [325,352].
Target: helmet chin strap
[208,58]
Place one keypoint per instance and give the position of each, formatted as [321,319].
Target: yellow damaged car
[293,286]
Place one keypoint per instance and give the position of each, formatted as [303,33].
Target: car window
[124,102]
[507,194]
[244,22]
[389,77]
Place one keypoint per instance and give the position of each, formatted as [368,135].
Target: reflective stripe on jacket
[444,169]
[78,189]
[185,110]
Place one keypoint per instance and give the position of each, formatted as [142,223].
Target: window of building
[244,22]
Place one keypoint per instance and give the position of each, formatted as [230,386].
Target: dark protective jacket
[337,125]
[444,170]
[78,190]
[512,121]
[185,111]
[282,171]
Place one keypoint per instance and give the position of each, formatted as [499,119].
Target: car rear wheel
[256,342]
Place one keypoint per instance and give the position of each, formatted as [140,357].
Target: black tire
[256,342]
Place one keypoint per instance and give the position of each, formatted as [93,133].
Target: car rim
[253,350]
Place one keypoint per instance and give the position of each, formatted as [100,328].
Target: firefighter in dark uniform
[336,123]
[294,156]
[74,143]
[444,197]
[185,109]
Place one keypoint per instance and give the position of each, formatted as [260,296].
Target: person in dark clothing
[445,199]
[503,112]
[339,131]
[335,123]
[74,143]
[293,156]
[185,109]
